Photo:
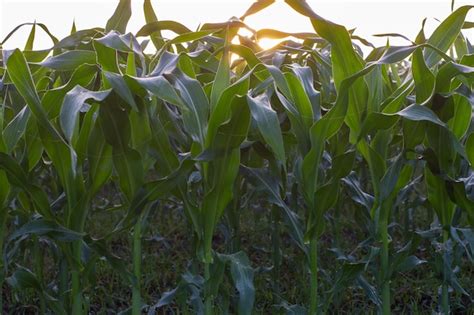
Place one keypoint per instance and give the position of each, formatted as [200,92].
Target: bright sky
[369,17]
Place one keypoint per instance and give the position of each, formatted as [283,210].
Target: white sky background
[369,17]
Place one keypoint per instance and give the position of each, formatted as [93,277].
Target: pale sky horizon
[368,17]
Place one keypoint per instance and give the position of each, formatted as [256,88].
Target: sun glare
[267,43]
[264,43]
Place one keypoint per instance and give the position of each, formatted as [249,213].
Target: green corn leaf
[326,197]
[45,227]
[16,128]
[140,129]
[158,26]
[345,61]
[424,78]
[300,124]
[114,122]
[268,124]
[195,99]
[31,38]
[223,170]
[460,122]
[82,76]
[300,99]
[75,39]
[161,88]
[73,101]
[342,164]
[457,190]
[221,113]
[80,139]
[119,85]
[150,17]
[129,167]
[448,71]
[346,275]
[256,7]
[416,112]
[23,278]
[4,192]
[41,25]
[119,43]
[470,148]
[17,177]
[439,198]
[33,143]
[119,20]
[99,155]
[242,276]
[305,76]
[131,66]
[128,163]
[376,121]
[445,34]
[106,57]
[222,78]
[158,189]
[70,60]
[270,186]
[73,27]
[64,159]
[21,76]
[376,164]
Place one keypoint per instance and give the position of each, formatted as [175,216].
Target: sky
[368,17]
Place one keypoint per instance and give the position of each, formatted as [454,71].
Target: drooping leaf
[73,101]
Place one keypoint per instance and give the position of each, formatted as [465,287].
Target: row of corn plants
[311,131]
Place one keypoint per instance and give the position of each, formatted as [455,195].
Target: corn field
[198,173]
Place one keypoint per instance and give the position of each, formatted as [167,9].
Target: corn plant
[311,134]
